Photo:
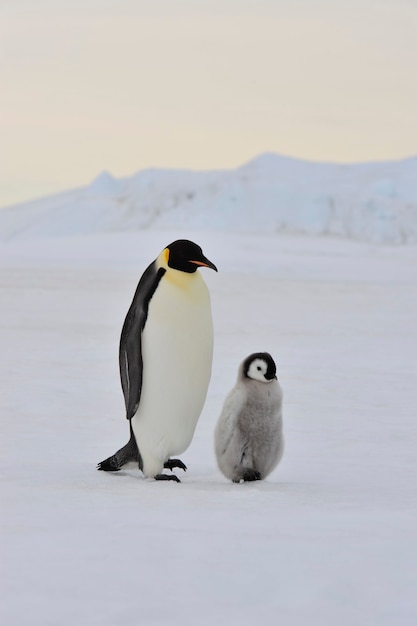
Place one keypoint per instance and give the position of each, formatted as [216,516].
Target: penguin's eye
[259,368]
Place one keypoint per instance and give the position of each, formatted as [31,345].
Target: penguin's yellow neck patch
[183,280]
[162,260]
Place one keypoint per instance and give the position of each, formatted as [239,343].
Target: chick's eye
[258,368]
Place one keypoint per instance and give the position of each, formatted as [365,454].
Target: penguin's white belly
[177,350]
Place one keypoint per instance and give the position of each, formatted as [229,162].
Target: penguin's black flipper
[130,349]
[171,463]
[128,454]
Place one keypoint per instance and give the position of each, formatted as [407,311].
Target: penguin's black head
[187,256]
[260,366]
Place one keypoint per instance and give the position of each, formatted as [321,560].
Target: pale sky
[121,85]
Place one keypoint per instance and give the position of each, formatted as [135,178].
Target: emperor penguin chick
[248,437]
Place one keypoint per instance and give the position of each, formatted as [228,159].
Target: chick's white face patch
[257,370]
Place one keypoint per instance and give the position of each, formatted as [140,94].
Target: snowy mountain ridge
[366,201]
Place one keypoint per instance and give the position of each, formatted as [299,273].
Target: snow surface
[368,201]
[330,538]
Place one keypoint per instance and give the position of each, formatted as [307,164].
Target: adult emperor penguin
[248,437]
[165,358]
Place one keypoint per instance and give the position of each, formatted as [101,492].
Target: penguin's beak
[204,262]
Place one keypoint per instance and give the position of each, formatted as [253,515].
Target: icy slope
[368,201]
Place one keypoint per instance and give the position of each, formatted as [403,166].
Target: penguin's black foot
[248,475]
[167,477]
[251,474]
[171,463]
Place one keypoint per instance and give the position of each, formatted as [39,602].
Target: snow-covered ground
[330,538]
[366,201]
